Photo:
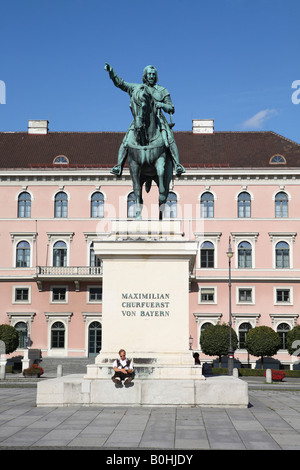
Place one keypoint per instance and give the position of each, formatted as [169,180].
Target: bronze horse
[148,154]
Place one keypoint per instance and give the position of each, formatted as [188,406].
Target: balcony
[67,273]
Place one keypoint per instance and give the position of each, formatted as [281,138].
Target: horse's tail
[148,184]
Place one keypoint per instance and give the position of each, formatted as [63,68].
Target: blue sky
[233,61]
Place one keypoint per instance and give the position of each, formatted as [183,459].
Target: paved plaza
[271,422]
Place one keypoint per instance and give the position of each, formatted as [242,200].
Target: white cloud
[257,121]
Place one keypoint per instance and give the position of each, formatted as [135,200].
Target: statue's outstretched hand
[107,67]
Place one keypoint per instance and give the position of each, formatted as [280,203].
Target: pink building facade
[58,196]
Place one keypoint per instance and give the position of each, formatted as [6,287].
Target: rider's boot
[179,169]
[118,168]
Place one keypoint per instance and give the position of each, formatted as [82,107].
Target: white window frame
[214,238]
[53,317]
[204,302]
[66,301]
[289,238]
[250,237]
[18,302]
[240,302]
[88,301]
[290,288]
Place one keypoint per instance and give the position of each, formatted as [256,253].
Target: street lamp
[230,349]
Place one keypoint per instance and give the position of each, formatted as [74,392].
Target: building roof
[100,149]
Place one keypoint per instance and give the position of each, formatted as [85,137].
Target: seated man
[123,368]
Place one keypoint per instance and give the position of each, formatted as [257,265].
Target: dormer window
[277,159]
[61,160]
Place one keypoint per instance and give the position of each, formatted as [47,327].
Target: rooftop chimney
[203,126]
[38,127]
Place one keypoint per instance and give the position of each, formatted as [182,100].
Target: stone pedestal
[145,304]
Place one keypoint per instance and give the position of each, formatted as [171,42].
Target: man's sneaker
[128,381]
[117,382]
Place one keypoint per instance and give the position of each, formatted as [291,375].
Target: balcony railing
[69,271]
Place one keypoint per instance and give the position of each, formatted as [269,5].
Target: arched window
[283,330]
[61,160]
[244,255]
[207,255]
[61,205]
[281,205]
[243,331]
[97,205]
[95,261]
[244,205]
[95,338]
[58,335]
[282,254]
[131,205]
[24,205]
[277,159]
[171,206]
[23,255]
[21,327]
[60,254]
[207,205]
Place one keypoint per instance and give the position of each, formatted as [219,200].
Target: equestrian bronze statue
[149,143]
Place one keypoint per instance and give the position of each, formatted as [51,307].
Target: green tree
[214,340]
[262,341]
[293,341]
[10,336]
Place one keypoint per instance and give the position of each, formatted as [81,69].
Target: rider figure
[162,101]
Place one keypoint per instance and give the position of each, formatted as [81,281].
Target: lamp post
[230,349]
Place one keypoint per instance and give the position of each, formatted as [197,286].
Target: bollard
[269,376]
[235,372]
[2,370]
[59,370]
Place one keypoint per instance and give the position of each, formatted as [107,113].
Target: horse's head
[140,105]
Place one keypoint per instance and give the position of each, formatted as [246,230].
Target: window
[24,205]
[95,294]
[244,205]
[57,335]
[245,295]
[23,255]
[207,205]
[171,206]
[61,205]
[59,294]
[277,159]
[282,254]
[207,295]
[131,205]
[97,205]
[207,255]
[60,254]
[21,327]
[21,294]
[283,330]
[244,255]
[283,295]
[243,331]
[281,205]
[95,261]
[60,160]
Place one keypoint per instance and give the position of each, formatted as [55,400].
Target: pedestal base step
[76,390]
